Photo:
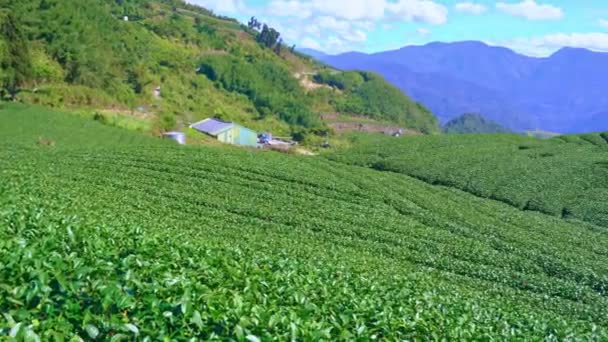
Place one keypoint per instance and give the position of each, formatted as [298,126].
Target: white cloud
[290,8]
[531,10]
[425,11]
[310,43]
[351,9]
[423,31]
[546,45]
[470,8]
[344,34]
[603,23]
[348,30]
[221,6]
[337,25]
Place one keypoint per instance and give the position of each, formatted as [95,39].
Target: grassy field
[566,176]
[105,234]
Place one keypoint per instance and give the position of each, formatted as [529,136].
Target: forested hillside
[173,63]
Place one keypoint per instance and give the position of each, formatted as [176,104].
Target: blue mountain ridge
[563,93]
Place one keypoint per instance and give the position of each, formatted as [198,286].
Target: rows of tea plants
[566,176]
[151,241]
[32,125]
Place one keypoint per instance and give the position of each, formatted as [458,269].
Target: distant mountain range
[565,92]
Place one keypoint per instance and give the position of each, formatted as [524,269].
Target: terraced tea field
[566,176]
[126,238]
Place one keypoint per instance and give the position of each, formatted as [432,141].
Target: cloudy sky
[533,27]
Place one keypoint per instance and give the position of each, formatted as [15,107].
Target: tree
[254,24]
[278,47]
[15,60]
[268,37]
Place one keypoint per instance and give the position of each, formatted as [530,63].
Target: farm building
[227,132]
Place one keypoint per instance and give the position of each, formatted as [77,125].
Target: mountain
[313,53]
[472,123]
[172,63]
[562,92]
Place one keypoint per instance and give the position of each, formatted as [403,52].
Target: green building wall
[239,135]
[246,137]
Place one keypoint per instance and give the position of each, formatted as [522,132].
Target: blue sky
[532,27]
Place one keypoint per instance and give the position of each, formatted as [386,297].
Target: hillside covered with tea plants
[109,235]
[170,63]
[566,176]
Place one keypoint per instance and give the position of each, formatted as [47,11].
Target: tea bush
[104,237]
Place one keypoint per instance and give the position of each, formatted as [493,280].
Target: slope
[472,123]
[558,93]
[163,60]
[565,176]
[150,239]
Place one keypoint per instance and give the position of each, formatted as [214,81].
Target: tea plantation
[566,176]
[105,235]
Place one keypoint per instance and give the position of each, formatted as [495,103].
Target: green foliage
[268,37]
[472,124]
[45,69]
[26,124]
[50,50]
[15,59]
[369,94]
[114,236]
[268,85]
[348,80]
[565,176]
[85,46]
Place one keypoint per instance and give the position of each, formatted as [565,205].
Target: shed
[227,132]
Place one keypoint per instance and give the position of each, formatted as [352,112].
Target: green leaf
[197,320]
[31,336]
[360,330]
[132,328]
[253,338]
[9,319]
[92,331]
[238,331]
[119,337]
[15,330]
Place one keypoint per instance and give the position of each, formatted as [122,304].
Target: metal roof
[212,126]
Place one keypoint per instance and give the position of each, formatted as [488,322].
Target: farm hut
[227,132]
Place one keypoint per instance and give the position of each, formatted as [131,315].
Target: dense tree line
[15,60]
[268,85]
[267,36]
[472,123]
